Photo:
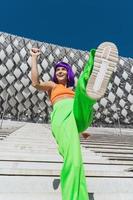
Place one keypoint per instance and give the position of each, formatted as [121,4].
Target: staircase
[30,163]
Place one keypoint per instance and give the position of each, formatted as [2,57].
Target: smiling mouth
[61,75]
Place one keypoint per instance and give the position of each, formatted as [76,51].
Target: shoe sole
[105,62]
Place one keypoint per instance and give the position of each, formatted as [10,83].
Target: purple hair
[70,74]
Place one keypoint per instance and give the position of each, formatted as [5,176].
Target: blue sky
[81,24]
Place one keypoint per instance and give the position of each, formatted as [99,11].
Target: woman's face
[61,74]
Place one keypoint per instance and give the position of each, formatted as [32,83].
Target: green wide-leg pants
[68,119]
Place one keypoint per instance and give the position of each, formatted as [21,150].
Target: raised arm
[36,82]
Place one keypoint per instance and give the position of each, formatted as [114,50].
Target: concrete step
[53,169]
[28,148]
[19,165]
[43,196]
[114,196]
[33,196]
[109,144]
[107,131]
[30,164]
[51,184]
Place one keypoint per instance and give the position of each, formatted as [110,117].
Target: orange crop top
[59,90]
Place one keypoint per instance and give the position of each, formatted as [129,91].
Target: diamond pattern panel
[27,104]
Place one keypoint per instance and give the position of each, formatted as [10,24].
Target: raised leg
[83,104]
[93,82]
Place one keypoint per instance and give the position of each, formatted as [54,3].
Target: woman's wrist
[34,57]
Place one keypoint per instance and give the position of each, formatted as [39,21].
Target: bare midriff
[64,96]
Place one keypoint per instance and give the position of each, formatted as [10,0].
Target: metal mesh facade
[25,103]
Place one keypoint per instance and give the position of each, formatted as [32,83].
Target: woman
[73,112]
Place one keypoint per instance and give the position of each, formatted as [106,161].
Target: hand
[85,135]
[35,52]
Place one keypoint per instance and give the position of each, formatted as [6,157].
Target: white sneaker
[105,61]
